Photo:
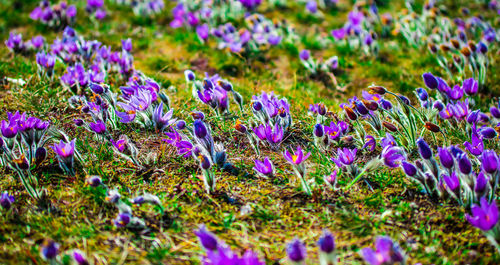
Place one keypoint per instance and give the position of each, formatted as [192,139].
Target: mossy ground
[78,218]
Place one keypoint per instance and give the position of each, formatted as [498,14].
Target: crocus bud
[78,122]
[438,105]
[488,132]
[432,127]
[361,108]
[387,105]
[350,113]
[257,106]
[404,99]
[50,249]
[189,75]
[318,130]
[198,115]
[422,94]
[207,239]
[445,157]
[473,116]
[40,155]
[296,251]
[464,164]
[122,220]
[326,242]
[321,109]
[6,200]
[424,149]
[455,43]
[409,169]
[200,130]
[180,125]
[489,161]
[94,181]
[495,112]
[466,51]
[370,104]
[204,162]
[240,127]
[378,90]
[389,126]
[86,109]
[96,88]
[305,55]
[80,258]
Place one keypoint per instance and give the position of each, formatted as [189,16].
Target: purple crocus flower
[162,121]
[200,129]
[50,249]
[455,93]
[385,252]
[345,157]
[326,242]
[409,168]
[305,55]
[470,86]
[484,216]
[120,145]
[490,161]
[445,157]
[98,127]
[207,239]
[461,110]
[94,181]
[64,150]
[495,112]
[388,140]
[464,164]
[339,34]
[476,146]
[488,132]
[312,6]
[370,142]
[298,156]
[6,200]
[9,129]
[122,220]
[127,45]
[430,80]
[274,136]
[392,156]
[80,258]
[296,251]
[203,31]
[452,181]
[264,168]
[424,149]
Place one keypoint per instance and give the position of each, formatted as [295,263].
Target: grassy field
[245,211]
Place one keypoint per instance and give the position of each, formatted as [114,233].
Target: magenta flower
[64,150]
[98,127]
[385,252]
[345,157]
[120,145]
[484,216]
[476,145]
[264,168]
[298,156]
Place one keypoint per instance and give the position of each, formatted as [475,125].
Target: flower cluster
[96,9]
[56,16]
[213,91]
[459,46]
[358,31]
[16,44]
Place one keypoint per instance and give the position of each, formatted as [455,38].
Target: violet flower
[297,161]
[385,252]
[264,168]
[484,216]
[6,200]
[296,251]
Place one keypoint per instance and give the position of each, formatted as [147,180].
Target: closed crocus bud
[389,126]
[466,51]
[80,258]
[370,104]
[432,48]
[404,99]
[96,88]
[200,130]
[464,164]
[318,130]
[438,105]
[204,162]
[296,251]
[378,90]
[409,169]
[385,104]
[424,149]
[40,155]
[445,157]
[6,200]
[361,108]
[422,94]
[207,239]
[180,125]
[189,75]
[432,127]
[350,113]
[490,161]
[198,115]
[78,122]
[94,181]
[481,183]
[257,106]
[240,127]
[430,80]
[472,46]
[305,55]
[473,116]
[470,86]
[50,249]
[455,43]
[326,242]
[495,112]
[86,109]
[488,132]
[482,47]
[484,118]
[321,109]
